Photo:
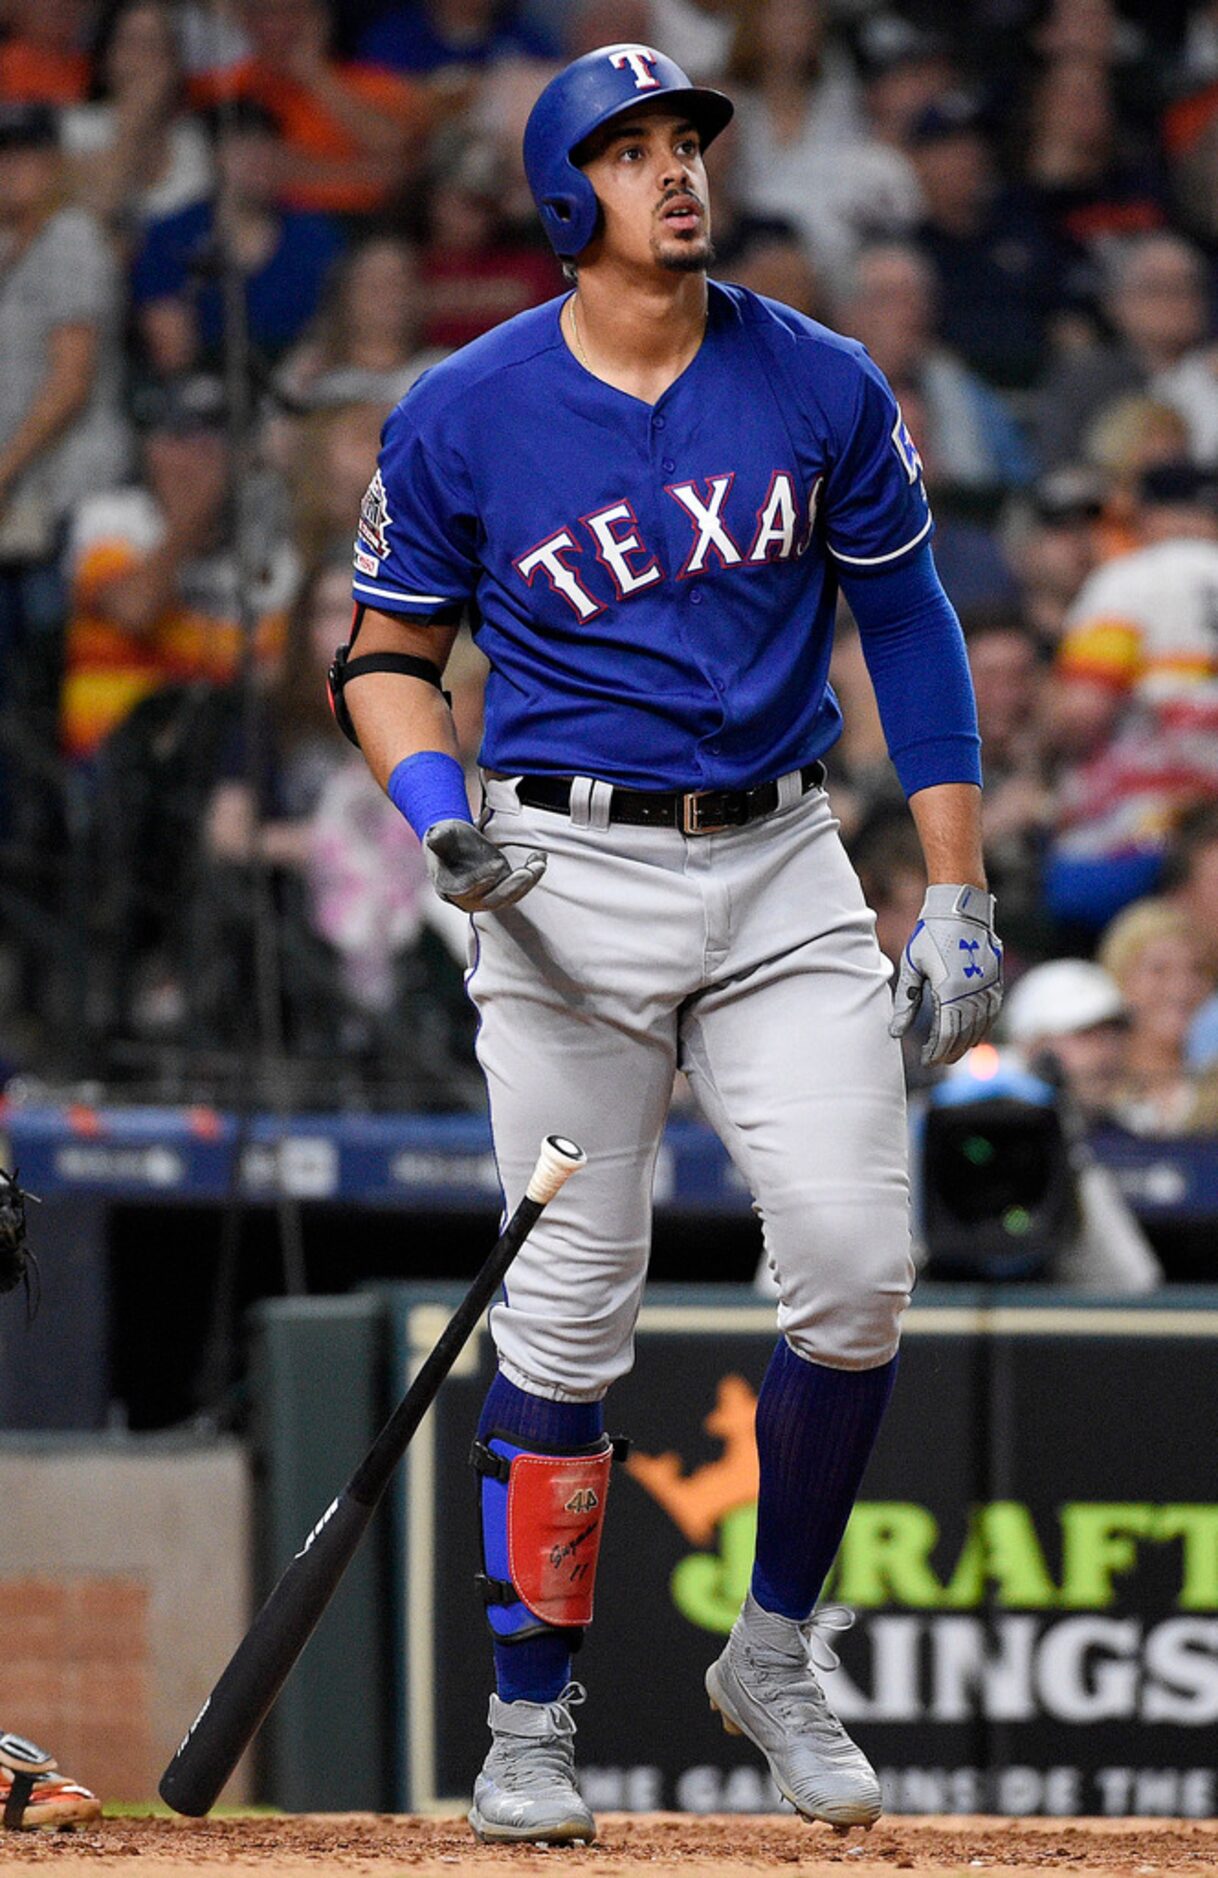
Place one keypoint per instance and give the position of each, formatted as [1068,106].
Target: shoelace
[830,1617]
[540,1760]
[804,1686]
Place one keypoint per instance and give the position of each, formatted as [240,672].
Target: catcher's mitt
[17,1263]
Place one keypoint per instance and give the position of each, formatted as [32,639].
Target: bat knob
[557,1161]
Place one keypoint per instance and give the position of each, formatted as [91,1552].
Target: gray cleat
[764,1686]
[527,1789]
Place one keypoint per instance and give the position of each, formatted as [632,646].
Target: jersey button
[668,466]
[695,596]
[658,423]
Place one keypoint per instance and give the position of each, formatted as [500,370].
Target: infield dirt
[659,1844]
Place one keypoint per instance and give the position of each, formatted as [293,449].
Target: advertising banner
[1033,1565]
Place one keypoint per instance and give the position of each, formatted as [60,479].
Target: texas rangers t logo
[641,60]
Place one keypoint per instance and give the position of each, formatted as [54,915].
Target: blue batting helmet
[586,95]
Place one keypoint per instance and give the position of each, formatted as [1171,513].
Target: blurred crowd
[233,233]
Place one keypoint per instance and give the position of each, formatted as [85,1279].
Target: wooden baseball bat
[242,1698]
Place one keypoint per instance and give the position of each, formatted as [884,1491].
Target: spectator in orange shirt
[351,134]
[155,577]
[44,59]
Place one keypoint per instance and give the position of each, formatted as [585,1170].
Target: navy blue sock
[815,1430]
[538,1668]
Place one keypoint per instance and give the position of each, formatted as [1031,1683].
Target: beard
[692,259]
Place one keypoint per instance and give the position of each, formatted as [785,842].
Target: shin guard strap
[26,1763]
[18,1800]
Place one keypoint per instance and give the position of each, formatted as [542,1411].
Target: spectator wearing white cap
[1067,1021]
[1072,1011]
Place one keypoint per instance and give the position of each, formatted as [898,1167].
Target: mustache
[671,195]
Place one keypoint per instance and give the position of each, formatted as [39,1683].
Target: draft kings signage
[1033,1567]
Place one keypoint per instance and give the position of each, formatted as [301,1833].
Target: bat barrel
[245,1692]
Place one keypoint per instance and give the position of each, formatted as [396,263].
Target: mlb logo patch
[375,519]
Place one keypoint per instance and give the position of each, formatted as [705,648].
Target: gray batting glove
[954,954]
[469,870]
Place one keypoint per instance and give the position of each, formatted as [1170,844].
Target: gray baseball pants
[747,959]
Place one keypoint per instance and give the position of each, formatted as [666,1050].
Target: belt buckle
[691,821]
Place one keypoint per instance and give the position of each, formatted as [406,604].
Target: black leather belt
[693,811]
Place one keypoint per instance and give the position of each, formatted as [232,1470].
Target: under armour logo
[972,969]
[641,61]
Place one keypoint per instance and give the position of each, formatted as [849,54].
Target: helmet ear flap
[571,216]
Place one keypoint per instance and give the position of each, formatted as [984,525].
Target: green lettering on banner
[1197,1526]
[1099,1539]
[884,1557]
[1002,1548]
[709,1587]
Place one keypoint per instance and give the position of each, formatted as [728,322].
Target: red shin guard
[545,1529]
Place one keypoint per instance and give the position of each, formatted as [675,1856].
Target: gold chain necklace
[584,359]
[575,329]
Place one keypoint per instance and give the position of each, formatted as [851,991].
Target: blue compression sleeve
[915,654]
[428,788]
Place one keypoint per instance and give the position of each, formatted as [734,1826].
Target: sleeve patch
[375,519]
[906,449]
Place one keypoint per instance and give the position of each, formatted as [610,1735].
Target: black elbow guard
[344,668]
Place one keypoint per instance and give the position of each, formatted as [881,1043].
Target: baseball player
[645,496]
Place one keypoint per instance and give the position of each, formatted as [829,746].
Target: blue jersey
[653,585]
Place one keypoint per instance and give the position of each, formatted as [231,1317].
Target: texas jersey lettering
[779,534]
[670,560]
